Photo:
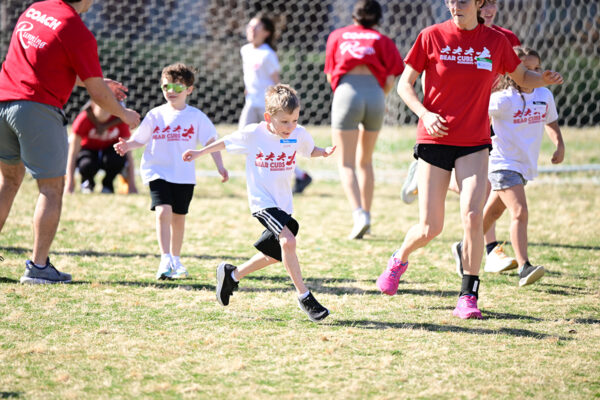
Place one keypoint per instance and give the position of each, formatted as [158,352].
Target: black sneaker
[457,252]
[315,311]
[301,183]
[530,273]
[46,275]
[225,283]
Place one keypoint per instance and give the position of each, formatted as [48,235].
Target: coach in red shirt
[460,58]
[50,51]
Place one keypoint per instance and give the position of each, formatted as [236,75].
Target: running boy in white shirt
[271,148]
[519,116]
[167,131]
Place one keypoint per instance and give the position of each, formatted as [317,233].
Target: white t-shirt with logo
[270,163]
[519,129]
[167,134]
[258,64]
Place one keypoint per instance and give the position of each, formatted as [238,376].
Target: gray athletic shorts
[504,179]
[251,114]
[36,134]
[358,99]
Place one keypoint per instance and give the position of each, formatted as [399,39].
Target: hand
[225,174]
[558,156]
[189,155]
[552,78]
[434,124]
[69,186]
[131,118]
[328,151]
[117,88]
[121,147]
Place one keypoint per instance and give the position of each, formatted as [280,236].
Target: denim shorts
[445,156]
[35,134]
[504,179]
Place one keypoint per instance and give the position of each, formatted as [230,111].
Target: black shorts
[274,219]
[444,156]
[176,195]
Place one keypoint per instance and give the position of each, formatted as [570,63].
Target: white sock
[175,259]
[304,295]
[39,266]
[233,276]
[166,256]
[299,173]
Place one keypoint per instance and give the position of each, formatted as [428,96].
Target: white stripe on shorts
[273,224]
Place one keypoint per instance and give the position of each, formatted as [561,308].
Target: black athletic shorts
[444,156]
[177,195]
[274,219]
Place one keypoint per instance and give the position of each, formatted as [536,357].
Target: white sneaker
[498,261]
[362,223]
[179,271]
[165,270]
[409,189]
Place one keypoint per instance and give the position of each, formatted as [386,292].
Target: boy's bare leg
[494,208]
[177,231]
[290,259]
[256,262]
[164,215]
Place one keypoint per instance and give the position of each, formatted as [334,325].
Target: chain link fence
[138,38]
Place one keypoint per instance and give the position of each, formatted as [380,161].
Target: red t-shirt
[49,48]
[90,139]
[460,67]
[355,45]
[512,38]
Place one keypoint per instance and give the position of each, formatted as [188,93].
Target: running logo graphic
[27,39]
[482,59]
[273,162]
[356,50]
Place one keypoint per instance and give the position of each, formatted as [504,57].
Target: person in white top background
[261,68]
[271,148]
[519,115]
[167,131]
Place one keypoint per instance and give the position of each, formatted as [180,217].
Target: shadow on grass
[93,253]
[159,285]
[367,324]
[8,280]
[10,395]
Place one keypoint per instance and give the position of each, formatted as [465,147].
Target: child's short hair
[281,97]
[179,72]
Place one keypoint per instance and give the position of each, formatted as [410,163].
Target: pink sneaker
[388,280]
[467,308]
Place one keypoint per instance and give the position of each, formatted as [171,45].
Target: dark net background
[138,38]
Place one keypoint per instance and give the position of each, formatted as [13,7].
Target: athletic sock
[175,259]
[39,266]
[490,247]
[233,276]
[304,295]
[470,285]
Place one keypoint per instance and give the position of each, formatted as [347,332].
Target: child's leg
[489,235]
[164,215]
[494,208]
[290,260]
[177,231]
[256,262]
[516,202]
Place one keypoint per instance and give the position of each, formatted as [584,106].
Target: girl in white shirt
[261,69]
[519,115]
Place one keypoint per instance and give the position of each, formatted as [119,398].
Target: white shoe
[409,189]
[179,271]
[362,223]
[165,270]
[498,261]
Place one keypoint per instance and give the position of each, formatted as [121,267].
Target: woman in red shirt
[461,58]
[361,64]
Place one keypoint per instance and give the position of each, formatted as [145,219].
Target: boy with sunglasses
[167,131]
[271,148]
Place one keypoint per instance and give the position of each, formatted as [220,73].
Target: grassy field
[117,333]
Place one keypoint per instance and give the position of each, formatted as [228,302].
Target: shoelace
[470,301]
[395,269]
[499,250]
